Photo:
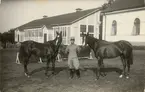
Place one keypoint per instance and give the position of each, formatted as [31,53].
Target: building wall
[125,23]
[49,32]
[35,34]
[19,36]
[16,35]
[93,19]
[68,30]
[65,33]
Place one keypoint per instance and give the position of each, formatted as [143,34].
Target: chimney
[45,16]
[78,9]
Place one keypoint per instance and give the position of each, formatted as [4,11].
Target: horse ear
[87,33]
[82,33]
[61,32]
[57,33]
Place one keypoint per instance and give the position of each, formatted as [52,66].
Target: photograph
[72,45]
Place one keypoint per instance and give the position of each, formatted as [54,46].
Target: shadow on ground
[59,69]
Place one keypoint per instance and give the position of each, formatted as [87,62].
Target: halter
[57,39]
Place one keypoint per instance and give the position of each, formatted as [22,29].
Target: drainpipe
[105,27]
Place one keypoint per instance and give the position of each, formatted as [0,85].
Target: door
[45,38]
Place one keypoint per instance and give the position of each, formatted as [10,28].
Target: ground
[15,81]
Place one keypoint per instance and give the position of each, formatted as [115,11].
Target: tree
[11,34]
[106,5]
[7,36]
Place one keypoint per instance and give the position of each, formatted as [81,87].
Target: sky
[14,13]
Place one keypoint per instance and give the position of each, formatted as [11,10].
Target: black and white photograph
[72,45]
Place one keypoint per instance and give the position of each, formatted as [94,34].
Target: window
[65,31]
[83,28]
[32,33]
[136,27]
[91,28]
[40,33]
[114,28]
[68,34]
[54,31]
[16,35]
[92,35]
[26,35]
[49,36]
[36,33]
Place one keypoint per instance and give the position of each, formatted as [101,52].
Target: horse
[46,50]
[53,42]
[107,50]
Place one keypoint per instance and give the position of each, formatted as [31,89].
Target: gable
[65,19]
[125,4]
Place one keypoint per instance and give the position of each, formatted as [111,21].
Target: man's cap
[72,38]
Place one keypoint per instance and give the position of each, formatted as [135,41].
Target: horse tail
[129,50]
[130,59]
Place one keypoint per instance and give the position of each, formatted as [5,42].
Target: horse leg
[128,69]
[124,66]
[103,69]
[53,66]
[47,67]
[17,58]
[98,69]
[25,67]
[40,60]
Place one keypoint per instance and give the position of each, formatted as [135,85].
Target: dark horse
[48,50]
[105,50]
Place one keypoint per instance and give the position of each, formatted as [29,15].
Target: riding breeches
[73,63]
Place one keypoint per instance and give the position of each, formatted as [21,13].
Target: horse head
[85,38]
[59,38]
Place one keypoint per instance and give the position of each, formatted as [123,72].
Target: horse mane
[97,42]
[93,39]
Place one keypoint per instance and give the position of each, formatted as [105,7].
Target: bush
[139,47]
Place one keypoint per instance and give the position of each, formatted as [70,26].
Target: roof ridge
[69,13]
[62,19]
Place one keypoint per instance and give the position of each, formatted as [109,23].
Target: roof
[125,4]
[63,19]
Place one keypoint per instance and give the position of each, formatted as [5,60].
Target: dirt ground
[15,81]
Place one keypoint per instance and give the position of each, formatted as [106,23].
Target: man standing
[72,50]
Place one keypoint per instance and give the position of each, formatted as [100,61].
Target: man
[72,50]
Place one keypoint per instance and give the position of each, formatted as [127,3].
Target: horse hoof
[45,74]
[96,79]
[127,77]
[40,62]
[18,63]
[121,76]
[53,73]
[105,74]
[27,75]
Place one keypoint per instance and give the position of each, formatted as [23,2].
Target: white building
[72,24]
[125,20]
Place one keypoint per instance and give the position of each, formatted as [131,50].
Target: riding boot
[78,73]
[71,73]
